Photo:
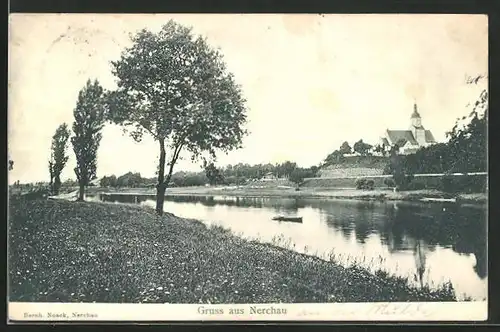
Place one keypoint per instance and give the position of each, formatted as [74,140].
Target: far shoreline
[380,195]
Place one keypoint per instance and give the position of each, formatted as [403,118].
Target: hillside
[355,166]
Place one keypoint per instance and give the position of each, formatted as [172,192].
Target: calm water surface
[429,242]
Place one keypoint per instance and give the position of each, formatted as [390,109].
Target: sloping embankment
[83,252]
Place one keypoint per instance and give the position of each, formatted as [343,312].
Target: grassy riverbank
[377,194]
[84,252]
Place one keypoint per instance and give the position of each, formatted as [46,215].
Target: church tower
[416,127]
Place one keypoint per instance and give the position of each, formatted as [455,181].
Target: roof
[429,138]
[401,137]
[385,141]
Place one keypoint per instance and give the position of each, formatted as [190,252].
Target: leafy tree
[104,182]
[380,148]
[108,181]
[362,148]
[468,143]
[466,149]
[345,148]
[70,183]
[397,169]
[297,176]
[89,119]
[334,157]
[130,179]
[175,88]
[213,174]
[58,157]
[187,179]
[287,168]
[314,171]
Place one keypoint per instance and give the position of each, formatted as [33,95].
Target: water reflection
[420,259]
[430,242]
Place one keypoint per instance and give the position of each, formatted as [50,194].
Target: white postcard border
[382,311]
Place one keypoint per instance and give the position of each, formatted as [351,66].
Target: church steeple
[415,113]
[416,120]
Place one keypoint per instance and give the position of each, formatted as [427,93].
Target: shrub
[37,193]
[360,183]
[463,183]
[364,184]
[370,184]
[416,185]
[234,180]
[389,182]
[387,169]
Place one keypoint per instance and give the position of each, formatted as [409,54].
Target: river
[431,243]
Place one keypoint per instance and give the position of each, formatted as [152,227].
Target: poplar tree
[89,120]
[58,158]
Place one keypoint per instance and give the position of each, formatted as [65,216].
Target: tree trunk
[57,185]
[160,187]
[81,194]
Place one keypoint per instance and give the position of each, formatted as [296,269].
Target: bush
[37,193]
[364,184]
[234,180]
[387,169]
[389,183]
[463,184]
[189,180]
[416,185]
[360,183]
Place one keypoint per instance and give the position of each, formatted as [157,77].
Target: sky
[310,81]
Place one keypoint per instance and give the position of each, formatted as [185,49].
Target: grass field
[61,251]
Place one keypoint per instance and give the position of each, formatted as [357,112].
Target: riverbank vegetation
[85,252]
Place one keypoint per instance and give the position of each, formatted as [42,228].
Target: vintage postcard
[247,167]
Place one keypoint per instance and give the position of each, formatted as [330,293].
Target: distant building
[95,182]
[409,141]
[269,176]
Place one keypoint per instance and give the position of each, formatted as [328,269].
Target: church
[409,141]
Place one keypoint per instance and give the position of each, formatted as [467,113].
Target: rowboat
[291,219]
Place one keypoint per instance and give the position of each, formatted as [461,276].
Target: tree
[468,142]
[108,181]
[380,148]
[334,157]
[58,157]
[89,119]
[314,171]
[287,168]
[345,148]
[362,148]
[175,88]
[51,173]
[297,176]
[70,183]
[466,149]
[128,179]
[396,168]
[213,174]
[113,181]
